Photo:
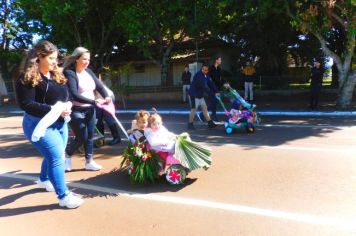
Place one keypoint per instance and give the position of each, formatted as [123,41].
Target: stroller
[99,138]
[242,114]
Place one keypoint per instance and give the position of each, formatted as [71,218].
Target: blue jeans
[51,147]
[83,124]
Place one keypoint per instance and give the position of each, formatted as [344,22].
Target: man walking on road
[197,89]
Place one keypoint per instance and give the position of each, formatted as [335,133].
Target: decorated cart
[144,165]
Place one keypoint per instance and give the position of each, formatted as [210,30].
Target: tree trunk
[3,89]
[165,65]
[164,71]
[346,90]
[334,77]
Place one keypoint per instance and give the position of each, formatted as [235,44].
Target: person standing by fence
[186,77]
[249,73]
[316,81]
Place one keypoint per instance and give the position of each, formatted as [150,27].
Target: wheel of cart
[250,129]
[175,174]
[228,128]
[99,142]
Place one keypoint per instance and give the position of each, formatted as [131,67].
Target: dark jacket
[186,76]
[200,86]
[215,74]
[37,101]
[316,76]
[72,77]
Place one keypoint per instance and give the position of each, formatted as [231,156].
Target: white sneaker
[45,184]
[68,164]
[92,166]
[71,201]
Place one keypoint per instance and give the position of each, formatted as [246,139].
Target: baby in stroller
[241,115]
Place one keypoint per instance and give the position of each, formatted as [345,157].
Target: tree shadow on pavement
[272,133]
[15,146]
[27,210]
[10,183]
[117,181]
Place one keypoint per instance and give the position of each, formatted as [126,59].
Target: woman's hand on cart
[108,100]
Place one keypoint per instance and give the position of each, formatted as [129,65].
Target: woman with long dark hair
[39,89]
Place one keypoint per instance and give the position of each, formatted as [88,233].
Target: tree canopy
[270,30]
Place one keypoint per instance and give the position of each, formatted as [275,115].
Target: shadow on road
[9,183]
[119,180]
[27,210]
[272,132]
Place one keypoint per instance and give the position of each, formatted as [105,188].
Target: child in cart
[161,140]
[136,133]
[161,153]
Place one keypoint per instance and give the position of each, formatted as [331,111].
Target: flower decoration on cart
[143,164]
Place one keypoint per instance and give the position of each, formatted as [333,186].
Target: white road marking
[344,224]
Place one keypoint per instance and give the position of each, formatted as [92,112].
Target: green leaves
[142,164]
[190,154]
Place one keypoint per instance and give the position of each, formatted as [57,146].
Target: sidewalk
[274,103]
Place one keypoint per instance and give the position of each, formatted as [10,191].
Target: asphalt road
[293,176]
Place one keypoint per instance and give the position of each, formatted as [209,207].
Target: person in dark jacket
[39,90]
[316,81]
[215,84]
[82,83]
[197,89]
[186,77]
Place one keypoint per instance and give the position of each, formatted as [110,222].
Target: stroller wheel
[175,174]
[81,149]
[99,142]
[250,129]
[228,130]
